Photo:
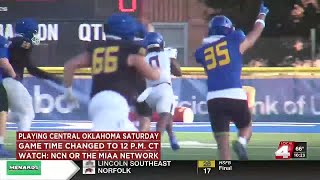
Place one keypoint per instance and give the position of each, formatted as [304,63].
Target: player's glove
[263,10]
[71,100]
[172,52]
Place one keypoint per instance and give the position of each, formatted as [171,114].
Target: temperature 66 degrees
[299,148]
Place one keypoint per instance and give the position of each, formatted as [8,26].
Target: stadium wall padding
[277,100]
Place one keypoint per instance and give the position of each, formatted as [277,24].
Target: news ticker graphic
[206,167]
[88,146]
[65,169]
[291,150]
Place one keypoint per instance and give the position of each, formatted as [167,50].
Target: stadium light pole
[313,43]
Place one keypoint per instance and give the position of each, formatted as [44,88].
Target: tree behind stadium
[242,12]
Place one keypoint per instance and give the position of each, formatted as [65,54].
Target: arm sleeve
[239,36]
[42,74]
[35,71]
[3,52]
[198,56]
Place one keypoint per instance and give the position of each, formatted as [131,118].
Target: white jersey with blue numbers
[162,61]
[159,94]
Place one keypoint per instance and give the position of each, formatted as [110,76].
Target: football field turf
[197,142]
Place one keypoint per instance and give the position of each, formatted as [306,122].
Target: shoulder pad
[238,34]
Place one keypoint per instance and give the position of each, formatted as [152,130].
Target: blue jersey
[3,52]
[222,61]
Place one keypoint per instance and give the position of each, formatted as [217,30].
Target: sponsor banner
[37,170]
[276,99]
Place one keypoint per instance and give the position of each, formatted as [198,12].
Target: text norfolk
[114,170]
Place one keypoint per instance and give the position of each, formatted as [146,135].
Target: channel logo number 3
[285,150]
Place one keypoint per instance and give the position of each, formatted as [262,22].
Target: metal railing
[200,71]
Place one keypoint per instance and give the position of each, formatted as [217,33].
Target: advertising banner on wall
[277,100]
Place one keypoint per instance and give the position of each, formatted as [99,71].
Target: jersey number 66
[105,60]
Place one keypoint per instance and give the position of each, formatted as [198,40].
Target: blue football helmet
[220,25]
[141,31]
[28,28]
[121,25]
[153,40]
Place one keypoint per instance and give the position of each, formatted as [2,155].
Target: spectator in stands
[305,15]
[316,63]
[258,62]
[298,54]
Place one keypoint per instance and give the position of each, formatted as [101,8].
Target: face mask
[35,39]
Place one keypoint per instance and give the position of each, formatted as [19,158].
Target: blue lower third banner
[278,100]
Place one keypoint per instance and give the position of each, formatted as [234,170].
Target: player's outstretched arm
[175,68]
[174,64]
[145,69]
[80,61]
[35,71]
[6,66]
[253,36]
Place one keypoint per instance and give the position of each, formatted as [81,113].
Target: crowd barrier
[199,71]
[281,98]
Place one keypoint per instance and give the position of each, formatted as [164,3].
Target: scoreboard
[66,9]
[64,25]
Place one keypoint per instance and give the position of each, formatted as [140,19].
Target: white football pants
[20,104]
[109,111]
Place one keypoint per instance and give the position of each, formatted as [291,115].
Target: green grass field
[201,146]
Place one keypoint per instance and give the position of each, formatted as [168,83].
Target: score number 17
[207,170]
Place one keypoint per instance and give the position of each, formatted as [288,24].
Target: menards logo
[23,168]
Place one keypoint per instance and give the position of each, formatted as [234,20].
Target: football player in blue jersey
[141,32]
[221,56]
[5,67]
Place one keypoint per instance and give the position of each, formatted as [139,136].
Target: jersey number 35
[212,52]
[105,60]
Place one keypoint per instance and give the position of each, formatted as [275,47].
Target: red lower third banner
[88,146]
